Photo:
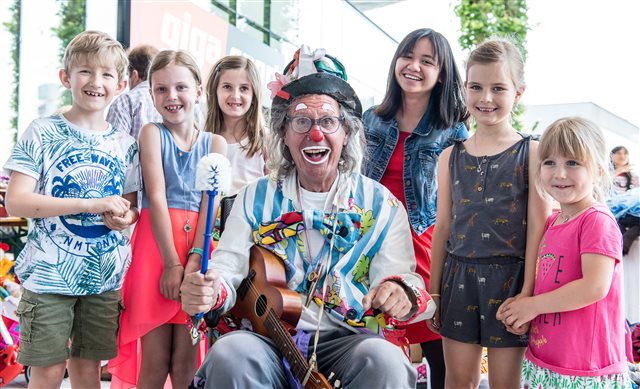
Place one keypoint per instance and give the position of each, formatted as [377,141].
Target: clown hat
[314,72]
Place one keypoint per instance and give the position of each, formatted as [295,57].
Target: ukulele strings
[265,306]
[298,357]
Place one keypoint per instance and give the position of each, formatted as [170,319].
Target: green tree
[481,19]
[73,19]
[13,26]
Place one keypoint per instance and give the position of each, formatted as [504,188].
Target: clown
[344,240]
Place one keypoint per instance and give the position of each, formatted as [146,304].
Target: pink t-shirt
[587,341]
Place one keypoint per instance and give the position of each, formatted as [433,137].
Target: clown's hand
[390,298]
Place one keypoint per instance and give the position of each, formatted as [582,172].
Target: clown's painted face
[315,153]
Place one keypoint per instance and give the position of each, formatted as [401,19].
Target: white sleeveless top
[244,170]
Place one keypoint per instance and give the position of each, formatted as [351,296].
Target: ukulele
[273,309]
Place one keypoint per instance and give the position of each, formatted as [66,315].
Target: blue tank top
[179,168]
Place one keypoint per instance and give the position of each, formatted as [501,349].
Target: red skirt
[145,307]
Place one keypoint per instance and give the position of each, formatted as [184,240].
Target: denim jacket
[421,151]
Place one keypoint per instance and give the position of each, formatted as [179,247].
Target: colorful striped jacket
[371,244]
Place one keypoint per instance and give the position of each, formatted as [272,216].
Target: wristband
[196,250]
[222,297]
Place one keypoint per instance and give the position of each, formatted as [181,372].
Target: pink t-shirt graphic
[587,341]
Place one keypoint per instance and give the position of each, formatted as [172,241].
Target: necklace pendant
[187,229]
[479,170]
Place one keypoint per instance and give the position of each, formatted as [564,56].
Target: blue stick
[204,264]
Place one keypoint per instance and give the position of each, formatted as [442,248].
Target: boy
[77,177]
[133,109]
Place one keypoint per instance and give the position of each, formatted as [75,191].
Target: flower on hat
[275,86]
[314,72]
[304,62]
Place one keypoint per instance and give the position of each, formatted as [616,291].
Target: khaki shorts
[49,321]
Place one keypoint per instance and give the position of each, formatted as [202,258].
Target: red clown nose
[316,135]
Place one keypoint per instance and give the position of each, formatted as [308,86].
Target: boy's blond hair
[96,46]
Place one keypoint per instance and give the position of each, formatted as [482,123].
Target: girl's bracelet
[196,250]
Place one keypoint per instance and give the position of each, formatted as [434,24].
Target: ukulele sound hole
[261,305]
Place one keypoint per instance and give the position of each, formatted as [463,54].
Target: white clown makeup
[316,154]
[328,107]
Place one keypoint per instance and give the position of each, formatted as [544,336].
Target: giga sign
[187,26]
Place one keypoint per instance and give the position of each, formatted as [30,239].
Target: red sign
[180,25]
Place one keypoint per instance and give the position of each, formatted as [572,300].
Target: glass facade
[268,31]
[333,24]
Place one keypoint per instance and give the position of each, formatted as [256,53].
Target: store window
[274,23]
[226,9]
[284,19]
[219,12]
[251,29]
[253,10]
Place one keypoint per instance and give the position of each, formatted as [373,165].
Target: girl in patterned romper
[488,225]
[576,319]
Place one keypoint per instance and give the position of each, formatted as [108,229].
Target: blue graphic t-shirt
[75,254]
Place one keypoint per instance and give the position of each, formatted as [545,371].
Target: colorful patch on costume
[361,270]
[367,220]
[347,228]
[373,320]
[332,294]
[300,245]
[284,227]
